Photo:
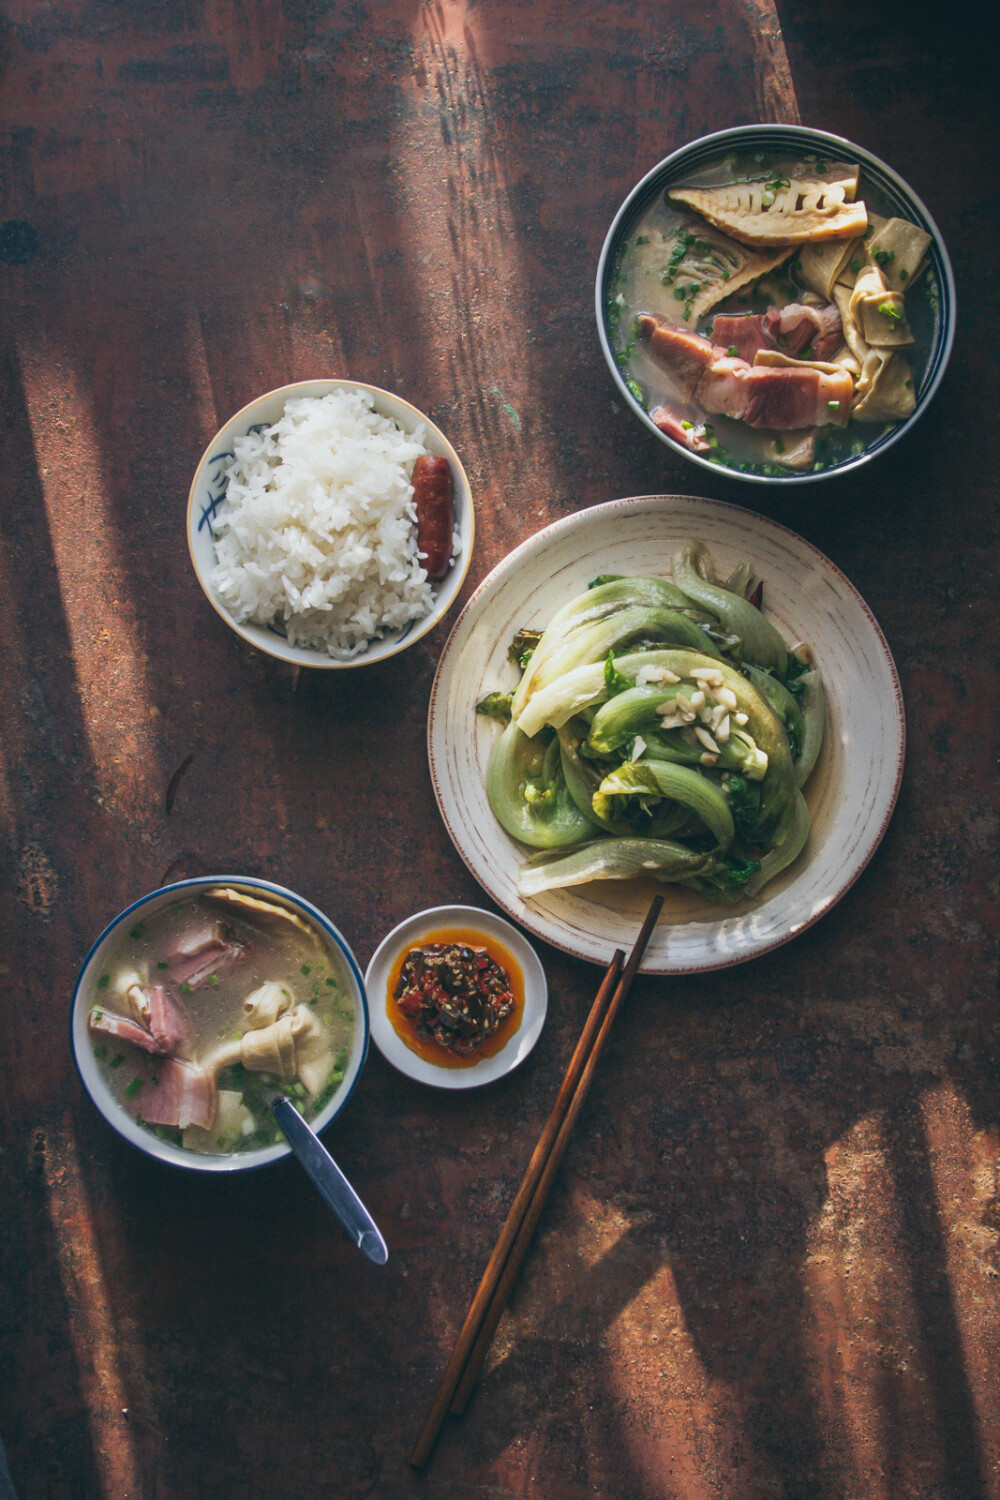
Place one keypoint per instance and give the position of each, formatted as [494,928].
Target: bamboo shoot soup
[211,999]
[773,313]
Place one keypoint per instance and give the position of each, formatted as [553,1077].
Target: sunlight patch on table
[93,1320]
[775,91]
[90,557]
[460,233]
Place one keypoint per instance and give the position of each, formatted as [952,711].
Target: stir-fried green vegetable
[527,791]
[760,642]
[660,729]
[573,636]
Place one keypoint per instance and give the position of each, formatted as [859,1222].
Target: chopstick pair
[501,1271]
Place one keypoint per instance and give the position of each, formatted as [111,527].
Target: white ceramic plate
[851,792]
[208,490]
[408,935]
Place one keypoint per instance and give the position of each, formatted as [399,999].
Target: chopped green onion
[213,978]
[161,963]
[133,1087]
[104,981]
[833,405]
[116,1062]
[732,352]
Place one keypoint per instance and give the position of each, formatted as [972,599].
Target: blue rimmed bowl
[208,490]
[896,197]
[85,992]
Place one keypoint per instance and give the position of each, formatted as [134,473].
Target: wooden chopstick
[491,1296]
[484,1292]
[520,1246]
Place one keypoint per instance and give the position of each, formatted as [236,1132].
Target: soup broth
[650,276]
[210,1002]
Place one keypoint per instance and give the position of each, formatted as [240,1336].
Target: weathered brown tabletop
[769,1266]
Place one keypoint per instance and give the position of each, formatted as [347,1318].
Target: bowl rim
[196,1161]
[454,579]
[941,351]
[411,1065]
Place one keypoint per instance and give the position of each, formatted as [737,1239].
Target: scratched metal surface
[770,1265]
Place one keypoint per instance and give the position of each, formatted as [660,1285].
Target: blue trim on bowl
[710,148]
[236,1162]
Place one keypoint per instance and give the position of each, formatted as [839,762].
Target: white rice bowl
[317,530]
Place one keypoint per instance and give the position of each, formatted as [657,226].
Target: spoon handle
[330,1181]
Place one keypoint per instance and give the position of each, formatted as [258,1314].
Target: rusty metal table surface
[769,1267]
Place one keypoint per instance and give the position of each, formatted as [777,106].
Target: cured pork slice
[791,329]
[784,396]
[798,327]
[834,388]
[168,1024]
[166,1029]
[743,333]
[198,956]
[122,1028]
[780,211]
[785,399]
[196,940]
[681,428]
[685,355]
[182,1095]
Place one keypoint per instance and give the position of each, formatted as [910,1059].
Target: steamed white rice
[317,532]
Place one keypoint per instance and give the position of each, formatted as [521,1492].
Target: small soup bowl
[208,489]
[896,198]
[85,992]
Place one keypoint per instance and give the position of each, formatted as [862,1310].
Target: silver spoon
[328,1178]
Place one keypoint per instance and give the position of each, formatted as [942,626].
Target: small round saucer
[409,934]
